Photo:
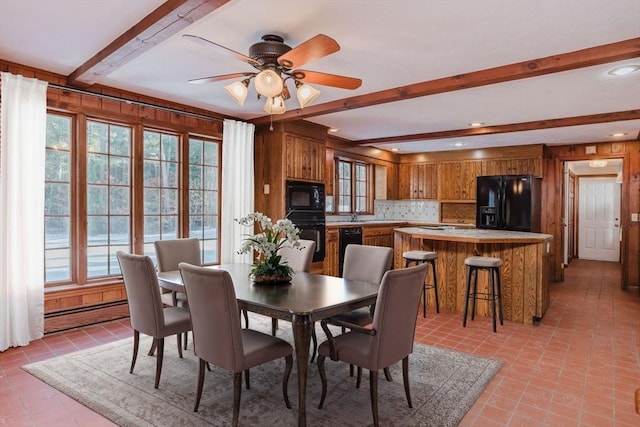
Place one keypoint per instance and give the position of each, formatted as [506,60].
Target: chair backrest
[215,318]
[366,263]
[170,253]
[143,293]
[299,258]
[396,312]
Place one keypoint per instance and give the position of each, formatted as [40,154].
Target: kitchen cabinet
[457,179]
[378,235]
[523,166]
[292,150]
[331,267]
[418,181]
[305,158]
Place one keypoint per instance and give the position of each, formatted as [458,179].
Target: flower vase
[271,279]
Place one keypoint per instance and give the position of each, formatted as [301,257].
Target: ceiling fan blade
[314,48]
[207,43]
[327,79]
[220,77]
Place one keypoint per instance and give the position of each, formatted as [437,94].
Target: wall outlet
[634,217]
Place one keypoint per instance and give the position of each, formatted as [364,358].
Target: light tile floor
[580,366]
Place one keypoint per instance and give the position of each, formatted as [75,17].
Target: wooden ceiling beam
[165,21]
[515,127]
[603,54]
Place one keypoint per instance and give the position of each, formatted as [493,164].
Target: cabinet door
[449,182]
[305,158]
[431,181]
[331,259]
[404,181]
[470,170]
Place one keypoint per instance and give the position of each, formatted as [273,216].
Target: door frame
[625,213]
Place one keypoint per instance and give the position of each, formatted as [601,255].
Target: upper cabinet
[524,166]
[458,179]
[305,158]
[418,181]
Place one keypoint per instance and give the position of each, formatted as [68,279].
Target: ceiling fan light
[275,105]
[269,83]
[597,163]
[238,91]
[306,94]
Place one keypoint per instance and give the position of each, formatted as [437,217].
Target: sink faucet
[354,217]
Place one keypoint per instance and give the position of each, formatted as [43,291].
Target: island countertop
[472,235]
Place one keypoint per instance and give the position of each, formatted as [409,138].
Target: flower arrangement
[270,237]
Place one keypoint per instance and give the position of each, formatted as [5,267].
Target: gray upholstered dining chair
[369,264]
[170,253]
[218,337]
[299,259]
[146,312]
[387,340]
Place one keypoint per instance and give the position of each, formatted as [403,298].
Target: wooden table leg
[302,325]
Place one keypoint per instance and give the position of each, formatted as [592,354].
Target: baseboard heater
[72,318]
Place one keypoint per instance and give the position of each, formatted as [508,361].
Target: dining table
[307,298]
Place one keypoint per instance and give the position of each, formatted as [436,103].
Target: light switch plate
[634,217]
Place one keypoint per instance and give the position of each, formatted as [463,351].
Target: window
[108,196]
[204,195]
[353,187]
[57,204]
[161,196]
[116,186]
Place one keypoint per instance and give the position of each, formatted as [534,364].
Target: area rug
[444,385]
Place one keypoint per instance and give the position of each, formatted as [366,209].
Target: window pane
[108,204]
[57,199]
[161,195]
[203,196]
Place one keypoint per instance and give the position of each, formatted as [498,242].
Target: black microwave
[304,196]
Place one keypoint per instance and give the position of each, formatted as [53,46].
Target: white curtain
[23,122]
[237,188]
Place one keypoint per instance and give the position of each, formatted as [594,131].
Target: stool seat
[419,255]
[483,261]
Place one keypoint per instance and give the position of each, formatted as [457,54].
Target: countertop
[473,235]
[391,222]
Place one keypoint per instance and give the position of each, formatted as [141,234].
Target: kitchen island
[525,272]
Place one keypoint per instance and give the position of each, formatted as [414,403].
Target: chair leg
[405,376]
[246,379]
[246,318]
[499,296]
[435,286]
[136,343]
[237,391]
[387,374]
[373,388]
[179,338]
[475,293]
[200,384]
[323,380]
[285,381]
[274,326]
[424,301]
[350,370]
[466,298]
[186,339]
[160,346]
[493,297]
[314,339]
[358,376]
[152,350]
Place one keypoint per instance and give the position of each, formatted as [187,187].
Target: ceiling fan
[276,63]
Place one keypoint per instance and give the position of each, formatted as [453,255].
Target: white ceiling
[386,43]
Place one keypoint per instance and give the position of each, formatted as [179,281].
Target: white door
[599,219]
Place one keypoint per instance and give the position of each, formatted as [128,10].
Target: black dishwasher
[348,235]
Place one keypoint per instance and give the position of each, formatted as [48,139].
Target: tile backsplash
[407,210]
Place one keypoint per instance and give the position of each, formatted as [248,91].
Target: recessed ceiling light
[618,134]
[458,144]
[476,124]
[624,70]
[333,130]
[395,149]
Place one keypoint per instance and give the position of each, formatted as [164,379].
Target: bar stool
[492,265]
[420,257]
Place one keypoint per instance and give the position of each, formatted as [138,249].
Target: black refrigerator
[508,202]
